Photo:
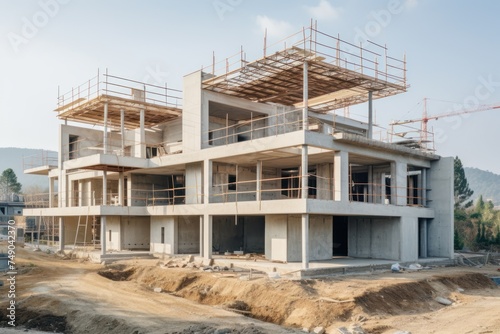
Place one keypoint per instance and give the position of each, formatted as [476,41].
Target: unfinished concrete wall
[169,227]
[276,237]
[409,239]
[294,238]
[440,229]
[324,181]
[149,189]
[188,229]
[320,237]
[172,136]
[194,183]
[70,229]
[194,114]
[377,238]
[113,233]
[136,232]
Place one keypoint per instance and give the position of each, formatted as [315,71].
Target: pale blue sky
[452,50]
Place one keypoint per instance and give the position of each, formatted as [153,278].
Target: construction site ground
[65,295]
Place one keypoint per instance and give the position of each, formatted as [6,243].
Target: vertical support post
[121,188]
[369,135]
[142,135]
[207,180]
[104,187]
[103,218]
[51,192]
[122,130]
[201,236]
[399,183]
[129,190]
[341,176]
[424,187]
[258,185]
[305,170]
[207,236]
[370,184]
[61,234]
[105,130]
[103,235]
[305,241]
[305,98]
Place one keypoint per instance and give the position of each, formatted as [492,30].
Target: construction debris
[443,301]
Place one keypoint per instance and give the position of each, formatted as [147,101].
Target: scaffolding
[119,97]
[340,73]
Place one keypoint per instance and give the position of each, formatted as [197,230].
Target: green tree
[8,183]
[458,241]
[462,191]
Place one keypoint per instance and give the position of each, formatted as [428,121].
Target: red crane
[425,118]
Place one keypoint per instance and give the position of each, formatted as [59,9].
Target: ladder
[85,226]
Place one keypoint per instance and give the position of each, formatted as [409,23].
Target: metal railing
[106,84]
[41,159]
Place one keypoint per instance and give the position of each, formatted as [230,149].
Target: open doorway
[340,233]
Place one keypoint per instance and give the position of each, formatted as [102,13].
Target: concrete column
[424,187]
[305,171]
[103,235]
[201,236]
[369,134]
[305,241]
[408,241]
[105,130]
[104,188]
[142,134]
[341,176]
[370,198]
[207,180]
[129,190]
[51,192]
[258,181]
[122,130]
[399,183]
[207,236]
[61,234]
[305,92]
[79,195]
[423,237]
[121,186]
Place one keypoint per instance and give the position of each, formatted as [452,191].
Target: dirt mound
[400,298]
[42,321]
[300,303]
[466,281]
[116,274]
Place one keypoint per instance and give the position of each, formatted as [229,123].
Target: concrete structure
[253,161]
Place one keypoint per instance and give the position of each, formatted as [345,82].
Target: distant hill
[484,183]
[12,157]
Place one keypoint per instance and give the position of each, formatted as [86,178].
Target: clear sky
[452,50]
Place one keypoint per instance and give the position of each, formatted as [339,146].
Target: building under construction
[248,157]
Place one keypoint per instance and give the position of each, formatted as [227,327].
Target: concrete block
[443,301]
[318,330]
[158,290]
[207,262]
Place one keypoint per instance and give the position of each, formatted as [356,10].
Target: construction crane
[426,118]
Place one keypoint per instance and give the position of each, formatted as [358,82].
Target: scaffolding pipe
[370,115]
[105,130]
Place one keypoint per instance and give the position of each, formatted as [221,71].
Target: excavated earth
[60,295]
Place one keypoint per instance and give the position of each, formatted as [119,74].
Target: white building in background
[249,158]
